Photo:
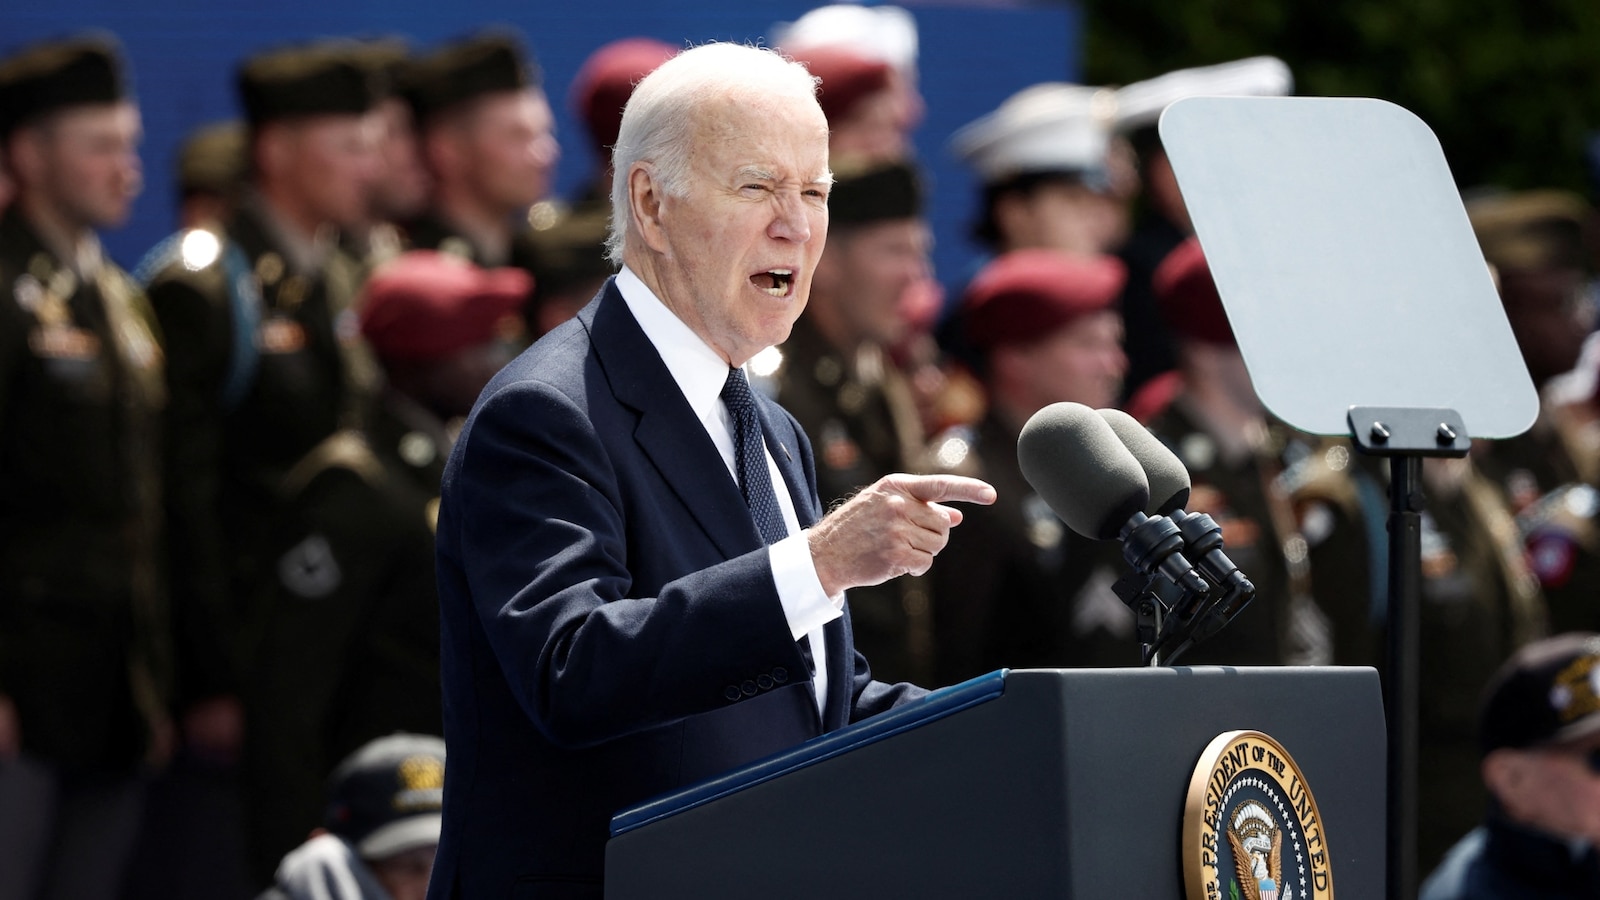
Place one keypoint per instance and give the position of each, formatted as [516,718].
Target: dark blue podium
[1045,783]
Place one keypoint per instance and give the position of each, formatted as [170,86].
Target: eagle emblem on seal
[1257,844]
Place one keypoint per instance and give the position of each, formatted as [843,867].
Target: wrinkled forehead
[753,120]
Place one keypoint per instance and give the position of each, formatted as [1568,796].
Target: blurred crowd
[219,472]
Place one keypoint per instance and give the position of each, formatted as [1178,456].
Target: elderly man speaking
[637,590]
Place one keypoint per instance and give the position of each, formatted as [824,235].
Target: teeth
[781,279]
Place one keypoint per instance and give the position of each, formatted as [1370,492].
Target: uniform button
[780,675]
[749,688]
[732,693]
[764,682]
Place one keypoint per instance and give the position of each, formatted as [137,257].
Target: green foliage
[1233,889]
[1511,87]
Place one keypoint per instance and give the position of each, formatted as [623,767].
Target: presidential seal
[1251,828]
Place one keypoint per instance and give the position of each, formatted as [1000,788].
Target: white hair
[659,122]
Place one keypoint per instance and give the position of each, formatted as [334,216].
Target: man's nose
[790,220]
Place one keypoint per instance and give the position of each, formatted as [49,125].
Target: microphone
[1089,478]
[1166,476]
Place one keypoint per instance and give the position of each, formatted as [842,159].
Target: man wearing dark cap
[1025,591]
[255,373]
[83,625]
[1539,734]
[380,827]
[836,376]
[488,142]
[350,649]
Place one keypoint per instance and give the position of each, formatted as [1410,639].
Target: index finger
[940,488]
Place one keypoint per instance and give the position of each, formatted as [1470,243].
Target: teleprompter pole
[1405,436]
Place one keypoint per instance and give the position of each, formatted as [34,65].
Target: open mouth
[776,282]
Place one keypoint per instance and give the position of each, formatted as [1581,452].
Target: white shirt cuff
[805,604]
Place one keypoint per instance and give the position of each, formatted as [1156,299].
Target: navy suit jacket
[611,627]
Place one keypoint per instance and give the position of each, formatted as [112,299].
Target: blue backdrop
[183,54]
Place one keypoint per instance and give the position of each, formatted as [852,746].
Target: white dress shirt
[700,373]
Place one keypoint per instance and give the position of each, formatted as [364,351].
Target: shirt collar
[698,370]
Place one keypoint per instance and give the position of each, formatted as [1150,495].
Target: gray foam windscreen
[1168,479]
[1081,469]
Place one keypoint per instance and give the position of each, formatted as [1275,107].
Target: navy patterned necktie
[750,457]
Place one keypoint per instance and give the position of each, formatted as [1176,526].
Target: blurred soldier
[837,379]
[211,174]
[867,120]
[1539,739]
[397,191]
[1024,590]
[488,143]
[1162,220]
[1049,178]
[569,255]
[83,621]
[350,650]
[255,373]
[1242,466]
[1535,243]
[380,830]
[599,92]
[878,34]
[565,246]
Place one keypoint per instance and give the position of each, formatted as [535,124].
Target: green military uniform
[1480,602]
[862,422]
[256,380]
[350,648]
[1261,535]
[1014,586]
[1562,533]
[84,641]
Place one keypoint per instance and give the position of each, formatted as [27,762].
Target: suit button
[732,693]
[764,682]
[780,675]
[749,688]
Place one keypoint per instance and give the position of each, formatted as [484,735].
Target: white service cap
[1049,127]
[886,33]
[1141,103]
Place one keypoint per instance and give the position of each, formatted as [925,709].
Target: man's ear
[25,153]
[273,149]
[645,200]
[1504,774]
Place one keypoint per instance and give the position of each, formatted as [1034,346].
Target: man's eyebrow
[825,180]
[756,172]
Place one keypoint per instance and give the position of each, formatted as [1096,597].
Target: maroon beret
[847,78]
[1026,295]
[1188,296]
[425,305]
[607,79]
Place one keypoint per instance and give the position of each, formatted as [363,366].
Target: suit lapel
[668,432]
[781,444]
